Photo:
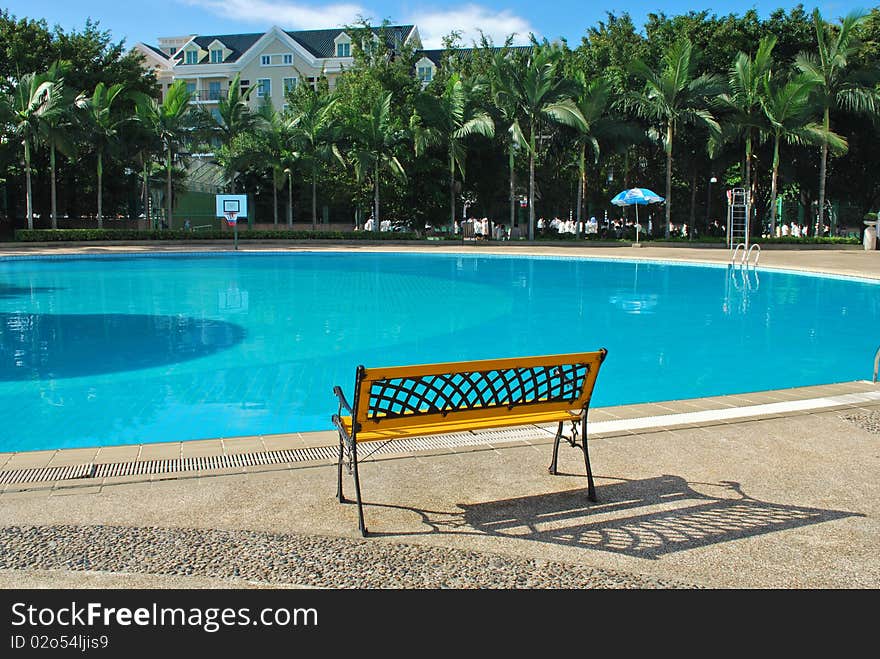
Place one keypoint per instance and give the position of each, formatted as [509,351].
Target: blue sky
[144,20]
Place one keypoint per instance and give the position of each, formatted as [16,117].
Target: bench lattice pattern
[441,393]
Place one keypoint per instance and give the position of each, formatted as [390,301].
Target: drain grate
[286,456]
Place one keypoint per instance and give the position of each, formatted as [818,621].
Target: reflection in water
[43,346]
[232,299]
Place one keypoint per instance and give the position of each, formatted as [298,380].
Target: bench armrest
[343,434]
[343,403]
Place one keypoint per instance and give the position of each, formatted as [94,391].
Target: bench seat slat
[442,427]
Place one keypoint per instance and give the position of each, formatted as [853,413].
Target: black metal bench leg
[591,489]
[552,468]
[357,489]
[339,494]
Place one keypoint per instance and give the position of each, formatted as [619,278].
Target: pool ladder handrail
[745,260]
[749,255]
[735,252]
[876,364]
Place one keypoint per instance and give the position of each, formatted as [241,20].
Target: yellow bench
[412,401]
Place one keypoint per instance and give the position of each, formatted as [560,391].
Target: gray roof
[161,54]
[320,42]
[317,42]
[463,53]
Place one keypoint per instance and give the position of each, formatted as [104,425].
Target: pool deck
[757,490]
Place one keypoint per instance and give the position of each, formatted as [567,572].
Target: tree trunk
[693,204]
[748,167]
[274,200]
[100,178]
[669,136]
[512,189]
[532,184]
[823,169]
[290,200]
[146,195]
[54,196]
[168,184]
[376,199]
[29,192]
[315,198]
[773,186]
[451,192]
[582,189]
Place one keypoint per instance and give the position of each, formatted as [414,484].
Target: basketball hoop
[231,217]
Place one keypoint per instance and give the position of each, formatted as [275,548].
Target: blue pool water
[133,349]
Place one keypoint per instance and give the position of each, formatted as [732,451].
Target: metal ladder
[738,210]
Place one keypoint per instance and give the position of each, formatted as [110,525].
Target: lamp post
[709,200]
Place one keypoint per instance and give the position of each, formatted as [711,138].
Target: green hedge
[55,235]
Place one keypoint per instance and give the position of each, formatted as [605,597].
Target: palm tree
[674,95]
[505,106]
[54,128]
[451,118]
[104,123]
[837,86]
[313,134]
[594,102]
[788,108]
[539,96]
[276,133]
[234,116]
[167,121]
[747,81]
[376,139]
[33,98]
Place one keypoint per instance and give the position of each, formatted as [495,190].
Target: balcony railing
[208,95]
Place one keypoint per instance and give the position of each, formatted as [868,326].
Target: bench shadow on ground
[645,518]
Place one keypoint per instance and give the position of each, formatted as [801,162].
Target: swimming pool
[140,349]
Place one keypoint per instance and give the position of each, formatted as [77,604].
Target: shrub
[56,235]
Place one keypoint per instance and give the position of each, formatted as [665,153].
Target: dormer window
[192,57]
[216,55]
[425,70]
[343,45]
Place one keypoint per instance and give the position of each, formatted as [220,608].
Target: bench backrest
[399,396]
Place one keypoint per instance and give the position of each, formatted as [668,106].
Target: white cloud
[288,15]
[469,20]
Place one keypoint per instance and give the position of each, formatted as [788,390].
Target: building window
[217,56]
[192,57]
[426,73]
[264,87]
[172,50]
[343,50]
[265,60]
[288,58]
[285,107]
[213,91]
[289,84]
[191,88]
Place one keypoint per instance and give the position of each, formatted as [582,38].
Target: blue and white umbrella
[637,197]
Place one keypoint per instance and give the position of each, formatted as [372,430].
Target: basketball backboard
[232,202]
